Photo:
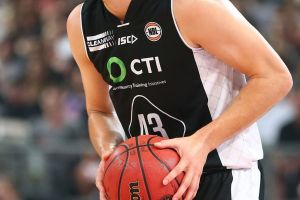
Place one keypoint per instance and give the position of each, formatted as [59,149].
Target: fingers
[102,193]
[197,188]
[191,162]
[99,180]
[172,143]
[100,171]
[106,155]
[102,196]
[185,184]
[175,172]
[99,176]
[192,191]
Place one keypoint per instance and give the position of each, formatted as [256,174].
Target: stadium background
[44,148]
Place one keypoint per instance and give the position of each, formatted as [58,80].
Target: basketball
[136,169]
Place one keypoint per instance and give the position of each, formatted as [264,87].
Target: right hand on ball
[193,152]
[100,174]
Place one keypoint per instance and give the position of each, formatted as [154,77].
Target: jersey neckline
[129,15]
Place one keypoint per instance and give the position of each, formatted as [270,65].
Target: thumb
[172,143]
[106,155]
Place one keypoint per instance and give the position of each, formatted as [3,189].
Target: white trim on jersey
[122,25]
[222,84]
[178,31]
[246,183]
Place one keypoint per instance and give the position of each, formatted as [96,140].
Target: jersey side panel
[222,84]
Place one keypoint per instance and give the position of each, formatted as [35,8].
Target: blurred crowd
[40,88]
[44,148]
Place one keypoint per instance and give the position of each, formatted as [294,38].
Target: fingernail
[175,198]
[165,182]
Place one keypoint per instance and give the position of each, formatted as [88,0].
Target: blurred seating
[44,148]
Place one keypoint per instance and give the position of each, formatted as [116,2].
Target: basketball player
[176,68]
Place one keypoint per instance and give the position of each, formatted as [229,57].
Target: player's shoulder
[73,20]
[75,35]
[191,3]
[196,6]
[203,10]
[76,11]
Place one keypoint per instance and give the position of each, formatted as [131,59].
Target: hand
[193,154]
[100,173]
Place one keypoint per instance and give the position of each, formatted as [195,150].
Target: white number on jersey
[153,119]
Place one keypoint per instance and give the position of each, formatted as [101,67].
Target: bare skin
[240,46]
[104,128]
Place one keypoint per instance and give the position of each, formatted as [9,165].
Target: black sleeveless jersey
[155,84]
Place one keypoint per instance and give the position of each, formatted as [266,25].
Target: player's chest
[128,53]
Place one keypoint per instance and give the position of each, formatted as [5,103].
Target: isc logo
[127,40]
[134,191]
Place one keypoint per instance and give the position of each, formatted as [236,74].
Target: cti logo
[137,67]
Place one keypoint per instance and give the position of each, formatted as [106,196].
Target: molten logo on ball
[134,191]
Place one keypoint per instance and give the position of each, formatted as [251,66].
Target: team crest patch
[153,31]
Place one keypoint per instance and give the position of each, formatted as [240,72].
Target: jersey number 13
[152,120]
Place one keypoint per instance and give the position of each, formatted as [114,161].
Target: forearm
[105,131]
[255,99]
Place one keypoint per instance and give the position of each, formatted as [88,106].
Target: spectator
[51,129]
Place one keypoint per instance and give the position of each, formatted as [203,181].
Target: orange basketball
[136,169]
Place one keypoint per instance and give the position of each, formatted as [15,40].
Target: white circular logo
[153,31]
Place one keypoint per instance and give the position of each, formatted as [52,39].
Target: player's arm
[225,33]
[212,25]
[104,127]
